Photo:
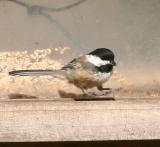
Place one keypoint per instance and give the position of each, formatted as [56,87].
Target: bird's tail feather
[37,72]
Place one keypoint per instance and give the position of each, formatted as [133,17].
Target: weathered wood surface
[79,120]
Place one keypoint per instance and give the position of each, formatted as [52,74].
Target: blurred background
[64,29]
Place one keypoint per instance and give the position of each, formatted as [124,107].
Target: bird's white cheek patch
[96,60]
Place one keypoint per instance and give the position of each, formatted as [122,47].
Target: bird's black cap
[103,53]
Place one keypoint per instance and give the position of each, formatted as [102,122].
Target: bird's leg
[87,93]
[84,91]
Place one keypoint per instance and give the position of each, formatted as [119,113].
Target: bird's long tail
[36,72]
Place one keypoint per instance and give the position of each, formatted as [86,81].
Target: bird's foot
[100,93]
[96,94]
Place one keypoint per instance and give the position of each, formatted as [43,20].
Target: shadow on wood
[21,96]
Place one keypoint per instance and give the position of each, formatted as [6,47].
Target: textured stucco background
[129,27]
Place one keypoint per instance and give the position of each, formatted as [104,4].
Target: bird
[87,71]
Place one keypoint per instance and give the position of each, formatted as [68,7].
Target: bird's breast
[87,79]
[102,77]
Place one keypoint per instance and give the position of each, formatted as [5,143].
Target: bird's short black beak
[114,63]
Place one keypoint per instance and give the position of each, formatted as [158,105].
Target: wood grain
[46,120]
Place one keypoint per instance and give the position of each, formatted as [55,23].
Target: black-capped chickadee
[87,71]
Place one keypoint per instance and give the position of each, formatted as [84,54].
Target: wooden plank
[79,120]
